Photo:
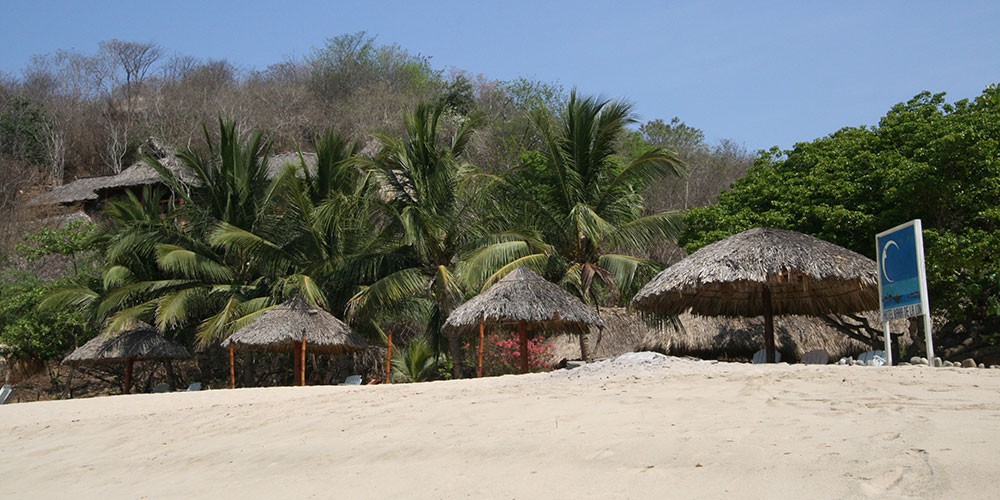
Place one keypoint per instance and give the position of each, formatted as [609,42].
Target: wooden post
[129,364]
[232,365]
[388,360]
[302,362]
[768,325]
[482,340]
[523,340]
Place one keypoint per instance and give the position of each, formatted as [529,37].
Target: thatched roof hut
[764,272]
[527,301]
[525,296]
[282,327]
[138,342]
[295,326]
[141,174]
[141,341]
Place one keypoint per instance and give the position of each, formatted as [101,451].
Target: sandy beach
[643,426]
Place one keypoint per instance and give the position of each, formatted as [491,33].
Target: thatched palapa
[296,326]
[139,342]
[524,299]
[764,272]
[523,295]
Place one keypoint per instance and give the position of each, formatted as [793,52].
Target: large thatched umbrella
[764,272]
[294,326]
[525,299]
[140,341]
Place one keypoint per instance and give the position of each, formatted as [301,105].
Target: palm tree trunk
[456,355]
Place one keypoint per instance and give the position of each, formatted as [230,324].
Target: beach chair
[872,358]
[353,380]
[816,357]
[760,357]
[5,392]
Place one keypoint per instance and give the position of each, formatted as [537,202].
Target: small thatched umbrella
[525,299]
[764,272]
[294,326]
[141,341]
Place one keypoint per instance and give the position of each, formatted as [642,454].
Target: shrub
[502,354]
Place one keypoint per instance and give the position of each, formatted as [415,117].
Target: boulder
[968,363]
[938,363]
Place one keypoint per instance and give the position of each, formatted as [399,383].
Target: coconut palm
[428,190]
[583,203]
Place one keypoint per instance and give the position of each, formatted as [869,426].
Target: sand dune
[642,427]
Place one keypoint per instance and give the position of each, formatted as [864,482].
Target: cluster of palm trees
[401,233]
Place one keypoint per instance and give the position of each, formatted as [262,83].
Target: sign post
[902,280]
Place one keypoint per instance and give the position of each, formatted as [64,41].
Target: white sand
[641,427]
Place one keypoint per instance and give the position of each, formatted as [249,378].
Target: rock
[573,364]
[995,367]
[968,363]
[938,363]
[981,365]
[947,364]
[916,360]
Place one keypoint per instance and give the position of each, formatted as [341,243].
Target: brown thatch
[724,338]
[141,174]
[764,272]
[525,296]
[281,329]
[803,274]
[142,341]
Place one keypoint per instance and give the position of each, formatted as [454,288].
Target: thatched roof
[523,295]
[712,337]
[805,275]
[141,174]
[281,328]
[142,341]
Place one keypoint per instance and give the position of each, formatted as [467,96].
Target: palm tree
[426,188]
[582,203]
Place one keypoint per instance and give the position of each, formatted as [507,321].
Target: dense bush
[926,159]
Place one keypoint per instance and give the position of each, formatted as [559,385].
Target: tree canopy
[926,159]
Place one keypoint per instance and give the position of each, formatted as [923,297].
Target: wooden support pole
[388,360]
[482,340]
[302,362]
[523,340]
[768,325]
[232,365]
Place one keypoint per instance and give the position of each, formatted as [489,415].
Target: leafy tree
[30,333]
[581,204]
[926,159]
[22,130]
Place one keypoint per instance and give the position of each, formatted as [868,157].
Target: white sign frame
[925,304]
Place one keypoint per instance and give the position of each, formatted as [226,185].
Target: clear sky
[759,73]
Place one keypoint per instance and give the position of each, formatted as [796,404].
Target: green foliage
[416,363]
[69,240]
[30,333]
[926,159]
[22,130]
[581,203]
[354,61]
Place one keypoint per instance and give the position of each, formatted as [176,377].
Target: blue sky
[759,73]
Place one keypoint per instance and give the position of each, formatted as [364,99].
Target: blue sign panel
[900,258]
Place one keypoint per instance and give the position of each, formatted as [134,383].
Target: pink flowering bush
[502,356]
